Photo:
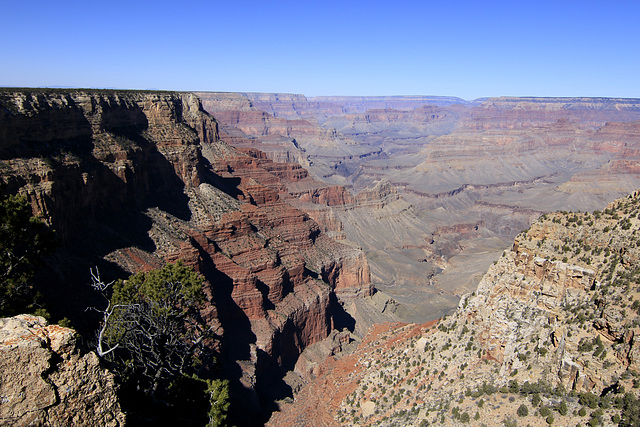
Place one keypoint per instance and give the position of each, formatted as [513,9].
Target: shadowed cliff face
[133,180]
[469,176]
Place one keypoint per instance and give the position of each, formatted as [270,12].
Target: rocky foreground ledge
[47,381]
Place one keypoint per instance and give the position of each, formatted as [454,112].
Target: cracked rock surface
[44,380]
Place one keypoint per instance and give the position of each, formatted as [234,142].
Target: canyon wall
[131,180]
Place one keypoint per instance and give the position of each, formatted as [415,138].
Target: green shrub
[588,399]
[631,411]
[596,418]
[523,411]
[535,399]
[24,240]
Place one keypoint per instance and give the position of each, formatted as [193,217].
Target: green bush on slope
[24,239]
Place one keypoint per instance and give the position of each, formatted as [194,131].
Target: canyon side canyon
[314,220]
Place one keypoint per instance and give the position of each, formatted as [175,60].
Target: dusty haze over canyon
[434,188]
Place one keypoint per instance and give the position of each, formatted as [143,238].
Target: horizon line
[481,98]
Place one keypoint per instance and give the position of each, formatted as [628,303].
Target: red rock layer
[264,124]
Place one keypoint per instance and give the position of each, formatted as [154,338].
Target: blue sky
[458,48]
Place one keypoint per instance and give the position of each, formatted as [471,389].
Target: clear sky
[468,49]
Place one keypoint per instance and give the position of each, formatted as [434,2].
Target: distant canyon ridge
[433,189]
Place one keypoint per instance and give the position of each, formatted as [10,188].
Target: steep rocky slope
[131,180]
[47,381]
[552,333]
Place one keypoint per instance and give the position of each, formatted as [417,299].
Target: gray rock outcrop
[45,380]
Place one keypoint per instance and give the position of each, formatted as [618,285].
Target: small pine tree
[153,334]
[218,391]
